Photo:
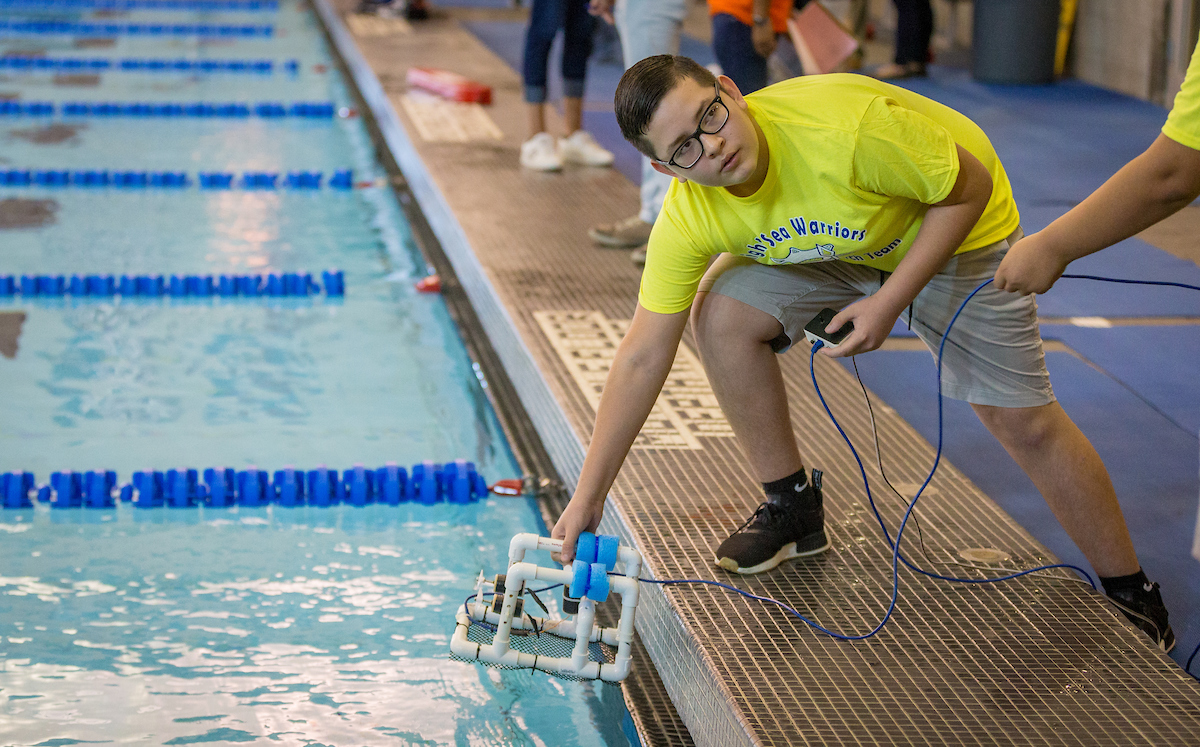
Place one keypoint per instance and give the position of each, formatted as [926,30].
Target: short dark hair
[642,89]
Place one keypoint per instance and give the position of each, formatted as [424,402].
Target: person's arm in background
[638,371]
[762,32]
[1156,184]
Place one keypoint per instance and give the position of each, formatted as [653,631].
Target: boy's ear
[664,170]
[731,90]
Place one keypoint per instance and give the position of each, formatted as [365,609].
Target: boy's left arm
[946,226]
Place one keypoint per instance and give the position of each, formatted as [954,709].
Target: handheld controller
[815,330]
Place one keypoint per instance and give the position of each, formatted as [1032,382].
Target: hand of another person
[873,320]
[1029,267]
[577,518]
[603,9]
[763,36]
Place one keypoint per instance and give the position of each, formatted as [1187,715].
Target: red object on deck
[449,85]
[430,284]
[508,487]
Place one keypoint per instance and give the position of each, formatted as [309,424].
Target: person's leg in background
[578,146]
[540,150]
[646,28]
[914,28]
[733,45]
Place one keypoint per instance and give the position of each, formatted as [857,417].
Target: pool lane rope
[28,63]
[287,284]
[175,109]
[428,483]
[59,28]
[190,6]
[342,179]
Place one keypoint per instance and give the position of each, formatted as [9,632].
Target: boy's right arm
[1149,188]
[640,368]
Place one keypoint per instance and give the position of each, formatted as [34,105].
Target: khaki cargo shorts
[993,357]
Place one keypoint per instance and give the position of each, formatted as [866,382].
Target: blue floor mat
[1136,356]
[1058,143]
[1153,464]
[1132,259]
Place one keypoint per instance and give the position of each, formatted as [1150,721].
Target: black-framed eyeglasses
[689,153]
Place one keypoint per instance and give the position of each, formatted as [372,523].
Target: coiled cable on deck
[897,556]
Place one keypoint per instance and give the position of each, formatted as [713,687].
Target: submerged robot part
[602,566]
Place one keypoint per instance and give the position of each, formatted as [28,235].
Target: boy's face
[730,156]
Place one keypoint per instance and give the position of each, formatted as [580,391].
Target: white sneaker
[581,148]
[540,153]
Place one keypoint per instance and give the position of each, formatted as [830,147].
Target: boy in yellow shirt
[846,192]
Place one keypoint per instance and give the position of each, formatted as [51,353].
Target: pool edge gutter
[553,452]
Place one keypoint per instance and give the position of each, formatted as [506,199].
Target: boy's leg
[734,341]
[1067,471]
[744,314]
[993,359]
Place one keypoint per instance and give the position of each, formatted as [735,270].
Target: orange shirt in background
[743,10]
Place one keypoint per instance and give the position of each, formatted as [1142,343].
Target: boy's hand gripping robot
[586,581]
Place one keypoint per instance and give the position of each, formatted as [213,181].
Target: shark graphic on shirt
[819,253]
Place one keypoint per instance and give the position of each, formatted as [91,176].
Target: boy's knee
[1020,427]
[718,319]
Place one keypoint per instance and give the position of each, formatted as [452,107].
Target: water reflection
[298,625]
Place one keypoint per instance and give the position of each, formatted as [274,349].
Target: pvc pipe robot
[586,582]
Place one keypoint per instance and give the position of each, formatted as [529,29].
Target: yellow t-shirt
[854,165]
[1183,123]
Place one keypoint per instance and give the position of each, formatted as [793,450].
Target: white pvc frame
[577,665]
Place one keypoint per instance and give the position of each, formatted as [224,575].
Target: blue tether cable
[895,545]
[487,625]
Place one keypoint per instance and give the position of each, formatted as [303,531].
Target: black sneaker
[1144,608]
[779,530]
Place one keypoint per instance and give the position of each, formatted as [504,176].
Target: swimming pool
[298,625]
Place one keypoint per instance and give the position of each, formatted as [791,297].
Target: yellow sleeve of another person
[1183,123]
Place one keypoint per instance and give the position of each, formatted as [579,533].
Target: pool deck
[1034,662]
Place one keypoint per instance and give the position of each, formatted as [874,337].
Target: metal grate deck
[1033,662]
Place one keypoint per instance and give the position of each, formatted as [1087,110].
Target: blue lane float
[59,28]
[20,63]
[428,483]
[191,6]
[342,179]
[172,110]
[287,284]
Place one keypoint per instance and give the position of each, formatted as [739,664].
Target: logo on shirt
[774,246]
[819,253]
[876,254]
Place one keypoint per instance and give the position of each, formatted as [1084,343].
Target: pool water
[298,626]
[282,625]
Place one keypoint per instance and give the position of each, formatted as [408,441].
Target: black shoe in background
[781,528]
[1144,608]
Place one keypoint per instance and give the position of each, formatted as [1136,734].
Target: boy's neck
[752,185]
